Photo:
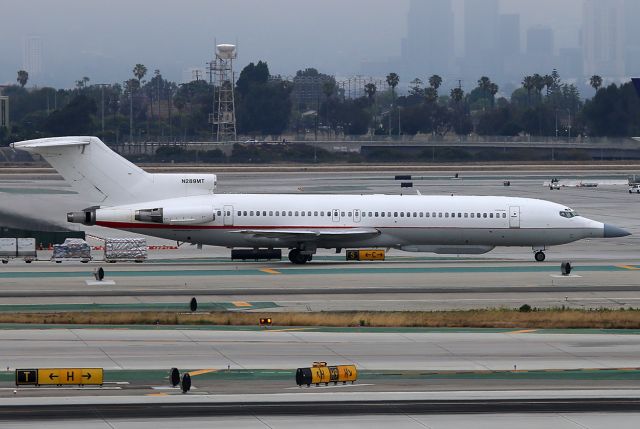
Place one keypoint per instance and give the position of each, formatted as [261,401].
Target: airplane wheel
[297,258]
[540,256]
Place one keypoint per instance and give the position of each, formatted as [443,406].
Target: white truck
[634,189]
[11,248]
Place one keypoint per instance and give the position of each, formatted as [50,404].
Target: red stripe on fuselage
[131,225]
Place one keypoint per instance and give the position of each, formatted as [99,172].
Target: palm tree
[435,81]
[538,82]
[484,83]
[370,89]
[392,80]
[139,71]
[596,82]
[23,77]
[457,94]
[528,83]
[493,90]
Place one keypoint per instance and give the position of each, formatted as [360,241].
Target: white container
[26,247]
[125,249]
[8,248]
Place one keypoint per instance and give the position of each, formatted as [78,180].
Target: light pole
[102,85]
[569,111]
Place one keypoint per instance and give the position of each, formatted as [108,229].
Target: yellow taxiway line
[270,271]
[523,331]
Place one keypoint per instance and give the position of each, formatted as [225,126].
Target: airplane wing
[310,234]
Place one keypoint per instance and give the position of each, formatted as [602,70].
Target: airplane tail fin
[102,177]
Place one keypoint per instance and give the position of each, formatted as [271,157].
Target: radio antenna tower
[221,73]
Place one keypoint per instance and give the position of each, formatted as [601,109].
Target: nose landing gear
[540,256]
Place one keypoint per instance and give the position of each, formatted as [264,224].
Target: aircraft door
[335,215]
[514,217]
[227,215]
[356,215]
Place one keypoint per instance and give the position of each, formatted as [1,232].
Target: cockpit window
[568,214]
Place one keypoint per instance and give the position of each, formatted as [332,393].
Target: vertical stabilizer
[101,176]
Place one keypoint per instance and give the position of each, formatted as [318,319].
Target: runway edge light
[265,321]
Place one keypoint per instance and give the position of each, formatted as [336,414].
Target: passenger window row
[292,213]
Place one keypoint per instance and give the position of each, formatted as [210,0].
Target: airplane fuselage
[414,223]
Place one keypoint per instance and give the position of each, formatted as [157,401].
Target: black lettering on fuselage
[192,180]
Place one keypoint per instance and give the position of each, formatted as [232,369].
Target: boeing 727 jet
[185,207]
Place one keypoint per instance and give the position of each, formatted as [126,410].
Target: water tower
[221,75]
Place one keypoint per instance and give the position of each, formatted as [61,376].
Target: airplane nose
[611,231]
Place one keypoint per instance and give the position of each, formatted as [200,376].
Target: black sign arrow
[51,376]
[87,376]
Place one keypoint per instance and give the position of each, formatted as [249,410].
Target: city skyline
[382,39]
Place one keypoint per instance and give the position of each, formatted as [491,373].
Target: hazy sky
[104,39]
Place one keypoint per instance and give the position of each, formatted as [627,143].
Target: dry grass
[604,319]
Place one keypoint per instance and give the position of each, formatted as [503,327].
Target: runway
[401,283]
[577,372]
[409,378]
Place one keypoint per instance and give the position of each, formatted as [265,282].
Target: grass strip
[623,319]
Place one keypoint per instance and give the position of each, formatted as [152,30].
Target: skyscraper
[632,37]
[603,38]
[540,41]
[481,31]
[429,46]
[32,56]
[509,34]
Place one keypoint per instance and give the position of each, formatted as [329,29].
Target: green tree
[370,89]
[252,74]
[528,83]
[539,83]
[596,82]
[416,87]
[431,95]
[76,118]
[23,77]
[435,82]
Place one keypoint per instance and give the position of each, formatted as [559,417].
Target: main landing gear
[540,256]
[298,258]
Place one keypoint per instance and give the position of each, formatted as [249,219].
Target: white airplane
[184,207]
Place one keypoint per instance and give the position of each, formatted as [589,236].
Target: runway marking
[157,394]
[562,276]
[270,271]
[522,331]
[628,267]
[241,304]
[201,371]
[288,329]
